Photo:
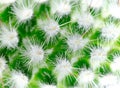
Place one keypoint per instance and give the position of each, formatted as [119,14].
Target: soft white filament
[63,68]
[97,4]
[98,56]
[9,37]
[115,65]
[108,80]
[50,26]
[114,10]
[18,80]
[76,42]
[7,1]
[85,78]
[85,20]
[60,7]
[23,10]
[110,32]
[33,52]
[47,86]
[40,1]
[2,66]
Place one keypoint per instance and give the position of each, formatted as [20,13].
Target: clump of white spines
[114,10]
[85,20]
[60,7]
[2,65]
[23,10]
[63,68]
[93,3]
[86,78]
[50,26]
[98,56]
[40,1]
[76,42]
[47,86]
[7,1]
[108,81]
[8,37]
[115,66]
[110,32]
[86,33]
[18,80]
[33,52]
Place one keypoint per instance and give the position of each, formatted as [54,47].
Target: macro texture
[59,44]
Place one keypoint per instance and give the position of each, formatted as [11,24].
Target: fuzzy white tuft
[47,86]
[85,20]
[9,37]
[40,1]
[76,42]
[60,7]
[7,1]
[2,65]
[93,3]
[50,26]
[114,10]
[110,32]
[108,80]
[98,56]
[85,78]
[117,85]
[18,80]
[23,10]
[63,68]
[33,52]
[115,65]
